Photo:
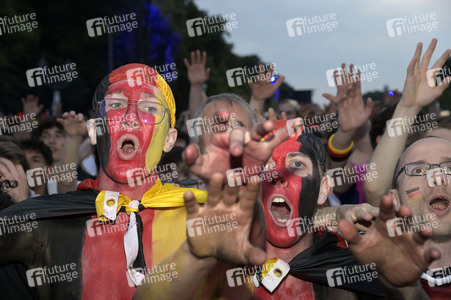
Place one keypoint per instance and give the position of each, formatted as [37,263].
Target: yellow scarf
[159,196]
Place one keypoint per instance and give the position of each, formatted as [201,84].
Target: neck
[445,250]
[135,193]
[287,254]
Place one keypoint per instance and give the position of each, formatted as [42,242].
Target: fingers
[415,62]
[204,58]
[278,82]
[261,129]
[360,214]
[186,62]
[271,114]
[441,61]
[191,155]
[349,232]
[284,115]
[231,194]
[250,194]
[215,189]
[236,141]
[191,205]
[432,254]
[387,209]
[428,54]
[278,137]
[254,255]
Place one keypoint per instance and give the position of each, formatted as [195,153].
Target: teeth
[278,200]
[282,220]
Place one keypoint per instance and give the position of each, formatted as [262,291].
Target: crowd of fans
[353,130]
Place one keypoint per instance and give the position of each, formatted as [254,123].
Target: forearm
[413,291]
[191,273]
[196,98]
[386,155]
[258,105]
[69,157]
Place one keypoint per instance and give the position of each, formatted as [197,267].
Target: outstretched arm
[200,253]
[400,258]
[198,74]
[418,92]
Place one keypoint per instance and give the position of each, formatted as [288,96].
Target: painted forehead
[144,91]
[290,148]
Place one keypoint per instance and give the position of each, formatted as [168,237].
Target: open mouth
[127,146]
[280,210]
[439,204]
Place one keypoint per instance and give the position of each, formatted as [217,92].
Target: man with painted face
[144,221]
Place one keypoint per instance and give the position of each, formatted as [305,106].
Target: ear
[171,137]
[90,125]
[394,196]
[324,190]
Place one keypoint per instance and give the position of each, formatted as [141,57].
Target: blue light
[391,93]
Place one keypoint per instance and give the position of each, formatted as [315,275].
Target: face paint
[131,142]
[293,194]
[414,194]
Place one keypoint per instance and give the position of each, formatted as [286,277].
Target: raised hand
[352,111]
[234,149]
[226,207]
[418,90]
[263,89]
[342,89]
[197,73]
[74,124]
[31,105]
[400,259]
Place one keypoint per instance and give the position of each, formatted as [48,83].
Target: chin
[282,239]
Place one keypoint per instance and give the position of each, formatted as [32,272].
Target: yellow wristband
[340,152]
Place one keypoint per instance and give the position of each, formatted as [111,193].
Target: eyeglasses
[422,168]
[149,112]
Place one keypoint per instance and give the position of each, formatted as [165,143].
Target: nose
[131,118]
[279,181]
[436,177]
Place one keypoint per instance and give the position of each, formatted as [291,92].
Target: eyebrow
[294,154]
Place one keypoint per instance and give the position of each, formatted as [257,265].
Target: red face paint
[281,197]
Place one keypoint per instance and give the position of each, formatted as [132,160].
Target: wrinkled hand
[263,89]
[11,172]
[74,124]
[234,149]
[419,88]
[197,73]
[361,215]
[400,259]
[234,206]
[31,105]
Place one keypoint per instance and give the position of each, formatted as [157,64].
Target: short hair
[45,124]
[38,146]
[11,150]
[231,99]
